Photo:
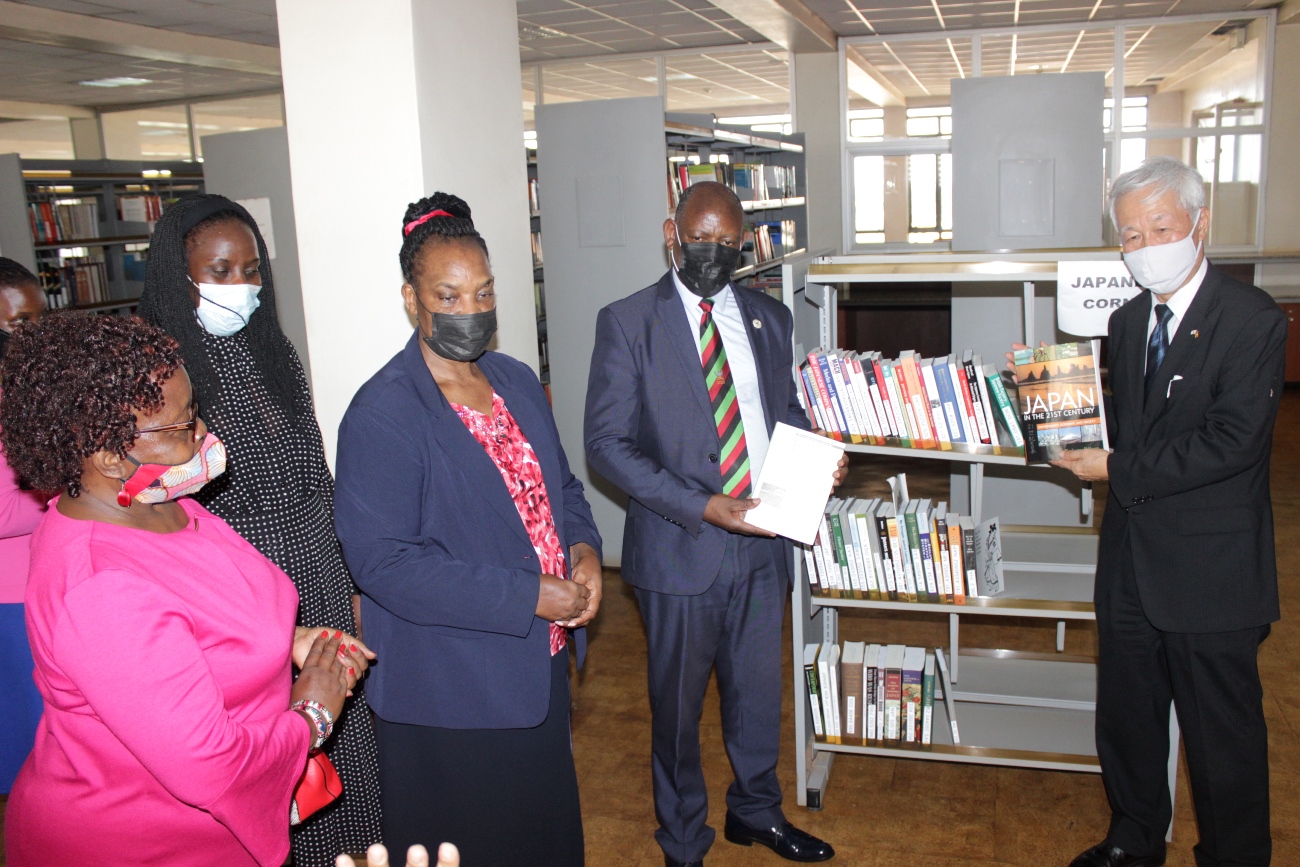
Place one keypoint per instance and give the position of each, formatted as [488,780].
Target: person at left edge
[21,300]
[461,522]
[209,285]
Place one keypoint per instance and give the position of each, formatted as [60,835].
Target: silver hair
[1162,174]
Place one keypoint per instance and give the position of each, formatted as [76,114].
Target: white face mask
[1163,268]
[225,308]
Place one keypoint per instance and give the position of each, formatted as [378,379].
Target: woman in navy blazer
[477,559]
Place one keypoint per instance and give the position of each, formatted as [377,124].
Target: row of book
[140,209]
[751,182]
[903,551]
[929,403]
[533,204]
[52,222]
[876,694]
[75,283]
[769,239]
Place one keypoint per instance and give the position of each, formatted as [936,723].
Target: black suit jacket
[650,429]
[1189,486]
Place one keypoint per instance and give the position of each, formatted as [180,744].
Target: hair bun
[454,205]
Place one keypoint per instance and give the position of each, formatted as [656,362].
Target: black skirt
[505,797]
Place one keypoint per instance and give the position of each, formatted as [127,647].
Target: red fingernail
[353,647]
[338,634]
[352,671]
[325,634]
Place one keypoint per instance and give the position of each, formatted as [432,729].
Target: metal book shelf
[1014,709]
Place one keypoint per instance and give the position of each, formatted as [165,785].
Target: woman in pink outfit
[173,731]
[21,301]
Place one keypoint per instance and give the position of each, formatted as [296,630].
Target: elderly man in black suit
[1186,576]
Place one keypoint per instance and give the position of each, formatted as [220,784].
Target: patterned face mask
[157,483]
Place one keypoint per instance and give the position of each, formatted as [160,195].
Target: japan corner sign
[1088,292]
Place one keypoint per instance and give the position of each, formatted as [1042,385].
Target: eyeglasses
[183,425]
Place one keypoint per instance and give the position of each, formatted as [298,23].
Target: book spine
[956,567]
[927,706]
[945,560]
[862,393]
[837,410]
[849,524]
[814,699]
[862,530]
[897,405]
[1009,415]
[890,587]
[902,559]
[869,730]
[843,387]
[819,556]
[911,707]
[917,403]
[935,403]
[847,578]
[914,553]
[929,556]
[953,411]
[873,391]
[990,412]
[971,383]
[968,561]
[810,566]
[961,393]
[893,704]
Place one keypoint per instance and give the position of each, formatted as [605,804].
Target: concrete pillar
[897,216]
[817,115]
[384,104]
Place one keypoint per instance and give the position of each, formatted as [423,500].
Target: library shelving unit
[1015,709]
[117,193]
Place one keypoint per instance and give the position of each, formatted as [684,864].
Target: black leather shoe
[785,840]
[1106,855]
[673,862]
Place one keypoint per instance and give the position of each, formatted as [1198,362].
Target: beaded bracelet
[322,720]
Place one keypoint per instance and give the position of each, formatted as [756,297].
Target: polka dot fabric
[279,495]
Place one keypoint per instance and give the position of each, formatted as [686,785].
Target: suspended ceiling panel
[885,17]
[241,20]
[550,29]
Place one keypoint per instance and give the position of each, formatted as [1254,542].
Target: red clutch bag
[320,786]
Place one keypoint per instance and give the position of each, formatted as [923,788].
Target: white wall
[384,103]
[817,116]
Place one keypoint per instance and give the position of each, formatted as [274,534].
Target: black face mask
[705,268]
[462,336]
[4,343]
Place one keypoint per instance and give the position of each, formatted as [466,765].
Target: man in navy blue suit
[688,378]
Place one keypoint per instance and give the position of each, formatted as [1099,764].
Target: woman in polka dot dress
[209,285]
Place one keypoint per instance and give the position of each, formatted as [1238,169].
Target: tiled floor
[930,814]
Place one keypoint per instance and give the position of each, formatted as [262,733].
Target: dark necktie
[736,480]
[1158,343]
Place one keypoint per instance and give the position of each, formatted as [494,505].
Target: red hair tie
[410,227]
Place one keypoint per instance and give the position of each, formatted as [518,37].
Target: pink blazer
[164,664]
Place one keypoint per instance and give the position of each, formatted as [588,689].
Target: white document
[260,211]
[795,483]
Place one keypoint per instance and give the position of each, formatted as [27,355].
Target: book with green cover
[837,532]
[915,561]
[927,702]
[814,687]
[1006,412]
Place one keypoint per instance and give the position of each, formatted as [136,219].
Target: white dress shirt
[1179,303]
[730,322]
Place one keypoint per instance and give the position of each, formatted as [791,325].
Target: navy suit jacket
[448,576]
[1189,487]
[650,429]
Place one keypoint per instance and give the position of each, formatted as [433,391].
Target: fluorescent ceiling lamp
[671,76]
[121,81]
[755,118]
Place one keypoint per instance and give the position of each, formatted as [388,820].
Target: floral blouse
[510,450]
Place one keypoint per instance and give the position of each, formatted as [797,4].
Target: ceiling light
[121,81]
[532,31]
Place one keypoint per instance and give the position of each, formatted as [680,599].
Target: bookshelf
[1015,709]
[539,279]
[88,224]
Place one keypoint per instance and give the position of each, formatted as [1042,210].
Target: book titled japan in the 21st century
[1060,399]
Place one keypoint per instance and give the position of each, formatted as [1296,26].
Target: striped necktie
[736,480]
[1157,344]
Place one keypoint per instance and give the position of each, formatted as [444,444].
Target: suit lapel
[479,471]
[1193,332]
[682,334]
[758,346]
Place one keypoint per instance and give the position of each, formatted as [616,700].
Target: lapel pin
[1195,334]
[758,323]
